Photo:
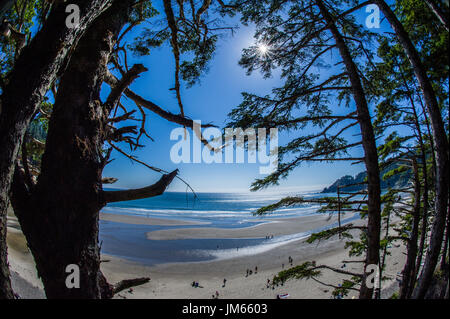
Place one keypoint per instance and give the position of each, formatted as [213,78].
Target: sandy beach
[174,280]
[285,226]
[138,220]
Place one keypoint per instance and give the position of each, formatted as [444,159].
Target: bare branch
[203,8]
[109,180]
[140,193]
[332,286]
[129,283]
[340,271]
[353,261]
[123,84]
[439,13]
[112,81]
[151,167]
[176,52]
[226,6]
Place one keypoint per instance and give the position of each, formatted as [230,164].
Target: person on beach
[256,270]
[217,294]
[268,283]
[224,282]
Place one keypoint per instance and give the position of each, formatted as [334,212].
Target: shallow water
[217,209]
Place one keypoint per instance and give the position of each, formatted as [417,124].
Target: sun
[263,49]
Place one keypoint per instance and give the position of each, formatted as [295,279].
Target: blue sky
[210,101]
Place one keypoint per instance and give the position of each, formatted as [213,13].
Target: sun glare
[263,49]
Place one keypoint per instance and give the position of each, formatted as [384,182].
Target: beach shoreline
[269,227]
[173,280]
[151,221]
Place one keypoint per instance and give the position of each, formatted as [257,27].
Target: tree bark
[129,283]
[5,5]
[370,152]
[440,142]
[6,291]
[439,13]
[62,228]
[408,279]
[34,72]
[423,157]
[444,263]
[140,193]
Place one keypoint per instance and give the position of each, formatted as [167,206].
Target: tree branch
[123,84]
[128,283]
[439,13]
[140,193]
[176,52]
[340,271]
[112,81]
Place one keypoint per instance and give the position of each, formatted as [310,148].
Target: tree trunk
[6,291]
[34,72]
[426,178]
[62,228]
[441,144]
[409,279]
[5,5]
[412,274]
[444,263]
[370,152]
[439,13]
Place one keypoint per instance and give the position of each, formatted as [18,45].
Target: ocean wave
[249,200]
[172,213]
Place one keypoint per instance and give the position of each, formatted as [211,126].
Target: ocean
[223,210]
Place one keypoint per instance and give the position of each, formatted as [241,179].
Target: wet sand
[277,227]
[137,220]
[173,281]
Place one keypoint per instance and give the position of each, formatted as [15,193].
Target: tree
[299,36]
[441,12]
[34,71]
[5,5]
[441,148]
[68,229]
[401,105]
[79,126]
